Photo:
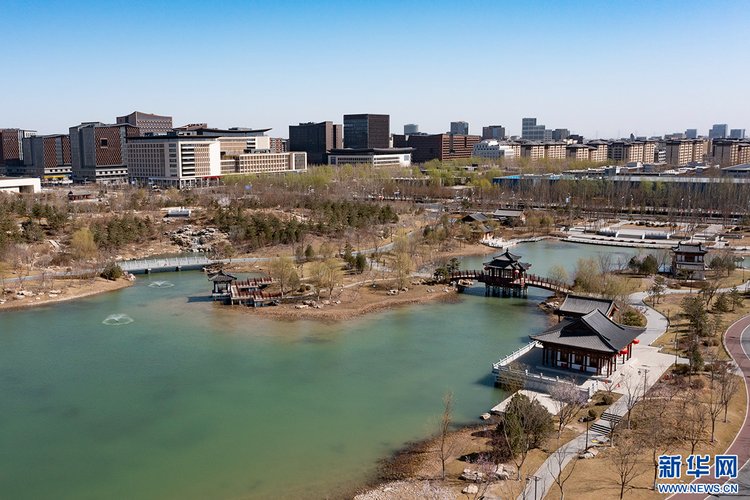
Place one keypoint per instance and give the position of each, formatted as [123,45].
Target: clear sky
[600,68]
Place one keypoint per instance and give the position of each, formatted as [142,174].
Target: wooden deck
[251,297]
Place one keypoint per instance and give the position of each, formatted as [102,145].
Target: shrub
[608,399]
[111,271]
[593,413]
[698,384]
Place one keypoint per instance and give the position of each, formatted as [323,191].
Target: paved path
[737,341]
[645,367]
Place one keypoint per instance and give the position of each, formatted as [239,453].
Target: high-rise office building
[496,132]
[315,139]
[147,123]
[737,133]
[459,128]
[691,133]
[533,132]
[98,152]
[560,134]
[367,131]
[718,131]
[47,157]
[411,128]
[11,147]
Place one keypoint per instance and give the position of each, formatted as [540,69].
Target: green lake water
[196,400]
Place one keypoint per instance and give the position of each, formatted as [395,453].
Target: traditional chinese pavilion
[222,282]
[507,274]
[592,343]
[688,261]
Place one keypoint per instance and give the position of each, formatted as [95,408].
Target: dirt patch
[358,302]
[68,290]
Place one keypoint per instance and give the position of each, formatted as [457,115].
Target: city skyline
[93,62]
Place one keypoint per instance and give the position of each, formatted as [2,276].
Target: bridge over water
[168,264]
[512,285]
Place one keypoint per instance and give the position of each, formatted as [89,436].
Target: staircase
[605,424]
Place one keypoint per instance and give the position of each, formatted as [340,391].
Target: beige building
[627,152]
[598,151]
[174,160]
[679,152]
[532,150]
[684,151]
[577,152]
[195,160]
[730,152]
[554,150]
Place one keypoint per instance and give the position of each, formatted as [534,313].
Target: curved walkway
[737,342]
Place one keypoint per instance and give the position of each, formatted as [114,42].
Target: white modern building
[196,160]
[492,149]
[20,185]
[377,157]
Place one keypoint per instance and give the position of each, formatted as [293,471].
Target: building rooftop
[690,248]
[593,332]
[508,260]
[576,305]
[375,151]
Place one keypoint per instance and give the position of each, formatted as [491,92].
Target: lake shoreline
[69,291]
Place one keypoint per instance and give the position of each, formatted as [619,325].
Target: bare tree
[656,432]
[568,400]
[625,461]
[693,421]
[445,444]
[729,386]
[556,466]
[282,269]
[633,393]
[714,402]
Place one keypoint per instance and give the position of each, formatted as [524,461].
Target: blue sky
[602,69]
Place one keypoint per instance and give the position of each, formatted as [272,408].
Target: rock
[3,301]
[19,297]
[325,302]
[593,450]
[485,416]
[301,306]
[586,455]
[503,476]
[56,291]
[404,289]
[38,298]
[53,295]
[472,489]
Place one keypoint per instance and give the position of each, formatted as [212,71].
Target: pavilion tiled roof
[592,332]
[690,248]
[575,305]
[221,277]
[508,260]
